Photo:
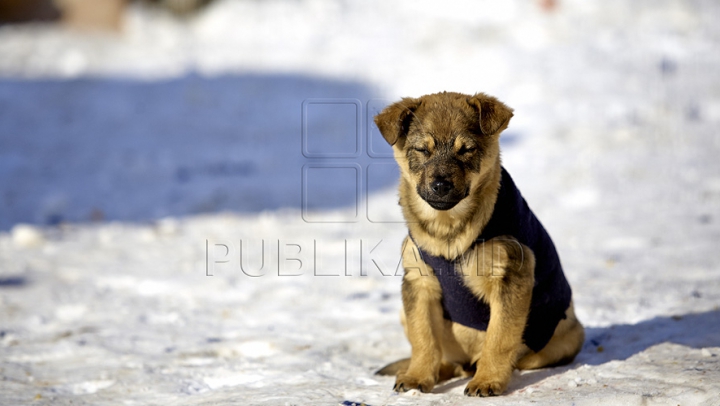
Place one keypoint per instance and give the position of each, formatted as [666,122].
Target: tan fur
[430,135]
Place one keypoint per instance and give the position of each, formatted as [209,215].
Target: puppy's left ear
[394,121]
[494,114]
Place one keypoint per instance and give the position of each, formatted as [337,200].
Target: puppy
[483,291]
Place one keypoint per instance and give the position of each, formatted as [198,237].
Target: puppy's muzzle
[441,187]
[441,194]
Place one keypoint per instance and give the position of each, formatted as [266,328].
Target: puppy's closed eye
[466,149]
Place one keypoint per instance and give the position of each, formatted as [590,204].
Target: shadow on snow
[134,150]
[622,341]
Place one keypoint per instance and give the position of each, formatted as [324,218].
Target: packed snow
[200,211]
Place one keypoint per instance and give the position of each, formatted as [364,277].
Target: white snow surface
[183,140]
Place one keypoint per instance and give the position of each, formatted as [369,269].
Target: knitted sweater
[551,293]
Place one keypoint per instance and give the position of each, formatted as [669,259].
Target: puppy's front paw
[405,382]
[483,387]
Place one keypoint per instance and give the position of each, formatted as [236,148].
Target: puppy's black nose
[441,187]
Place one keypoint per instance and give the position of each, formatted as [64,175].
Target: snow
[135,165]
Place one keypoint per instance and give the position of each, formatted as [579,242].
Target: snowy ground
[139,157]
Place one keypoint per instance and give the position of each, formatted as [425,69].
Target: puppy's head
[444,141]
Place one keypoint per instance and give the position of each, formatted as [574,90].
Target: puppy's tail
[447,371]
[394,367]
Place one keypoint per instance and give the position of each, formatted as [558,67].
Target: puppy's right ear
[394,120]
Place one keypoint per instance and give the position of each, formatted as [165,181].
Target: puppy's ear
[494,114]
[394,120]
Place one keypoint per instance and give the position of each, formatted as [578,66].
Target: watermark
[296,257]
[254,258]
[346,158]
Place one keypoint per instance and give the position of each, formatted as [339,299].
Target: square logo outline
[358,190]
[358,127]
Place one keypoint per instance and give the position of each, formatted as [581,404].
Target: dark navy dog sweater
[551,294]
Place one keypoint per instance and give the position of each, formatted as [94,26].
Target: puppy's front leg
[421,293]
[501,271]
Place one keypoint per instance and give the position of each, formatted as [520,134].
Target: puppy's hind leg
[564,345]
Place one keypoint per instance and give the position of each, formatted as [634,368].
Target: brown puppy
[483,290]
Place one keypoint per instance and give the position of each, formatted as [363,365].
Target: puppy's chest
[459,303]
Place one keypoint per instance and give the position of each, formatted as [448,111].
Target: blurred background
[137,110]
